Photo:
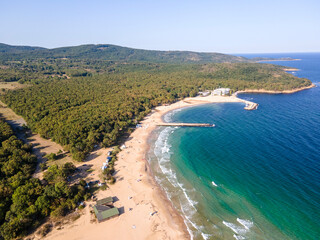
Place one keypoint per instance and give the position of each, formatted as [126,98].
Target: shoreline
[279,60]
[136,190]
[275,92]
[291,69]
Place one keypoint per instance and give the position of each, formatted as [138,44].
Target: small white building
[221,92]
[204,94]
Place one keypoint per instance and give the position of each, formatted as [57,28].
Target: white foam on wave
[246,223]
[168,116]
[188,214]
[240,231]
[163,153]
[214,184]
[235,228]
[184,190]
[206,236]
[239,237]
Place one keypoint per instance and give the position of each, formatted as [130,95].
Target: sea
[256,175]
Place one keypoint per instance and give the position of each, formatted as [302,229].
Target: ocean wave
[184,190]
[206,236]
[168,116]
[240,231]
[214,184]
[188,220]
[246,223]
[162,151]
[239,237]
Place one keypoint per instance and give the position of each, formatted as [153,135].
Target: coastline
[276,92]
[136,188]
[279,60]
[291,69]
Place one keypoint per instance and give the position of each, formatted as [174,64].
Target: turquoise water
[256,175]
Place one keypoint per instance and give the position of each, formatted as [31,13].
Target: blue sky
[228,26]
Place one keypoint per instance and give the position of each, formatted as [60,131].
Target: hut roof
[104,212]
[106,200]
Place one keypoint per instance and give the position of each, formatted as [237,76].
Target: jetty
[186,124]
[251,106]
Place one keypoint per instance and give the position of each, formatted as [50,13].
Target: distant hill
[8,49]
[114,53]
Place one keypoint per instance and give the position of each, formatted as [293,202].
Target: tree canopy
[24,200]
[81,110]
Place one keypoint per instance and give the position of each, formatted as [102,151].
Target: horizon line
[229,53]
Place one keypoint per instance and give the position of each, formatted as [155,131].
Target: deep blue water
[256,175]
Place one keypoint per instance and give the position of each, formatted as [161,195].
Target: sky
[226,26]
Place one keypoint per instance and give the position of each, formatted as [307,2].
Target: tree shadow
[81,172]
[40,148]
[91,157]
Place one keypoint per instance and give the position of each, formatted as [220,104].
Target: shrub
[43,166]
[51,156]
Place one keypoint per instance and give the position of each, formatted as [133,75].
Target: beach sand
[135,188]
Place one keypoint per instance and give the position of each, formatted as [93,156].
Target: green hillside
[114,53]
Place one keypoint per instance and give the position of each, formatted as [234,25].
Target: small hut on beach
[105,210]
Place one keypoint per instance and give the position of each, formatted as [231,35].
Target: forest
[26,201]
[81,103]
[112,53]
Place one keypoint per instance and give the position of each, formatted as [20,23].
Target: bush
[51,156]
[43,166]
[59,211]
[83,183]
[45,230]
[87,196]
[112,180]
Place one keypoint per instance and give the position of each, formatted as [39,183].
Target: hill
[8,49]
[114,53]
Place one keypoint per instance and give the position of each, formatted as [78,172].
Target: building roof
[222,89]
[104,212]
[106,200]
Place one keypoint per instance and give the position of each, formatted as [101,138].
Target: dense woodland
[25,201]
[80,103]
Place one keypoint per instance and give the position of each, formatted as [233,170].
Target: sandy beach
[137,193]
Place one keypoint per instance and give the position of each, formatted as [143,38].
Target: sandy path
[40,146]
